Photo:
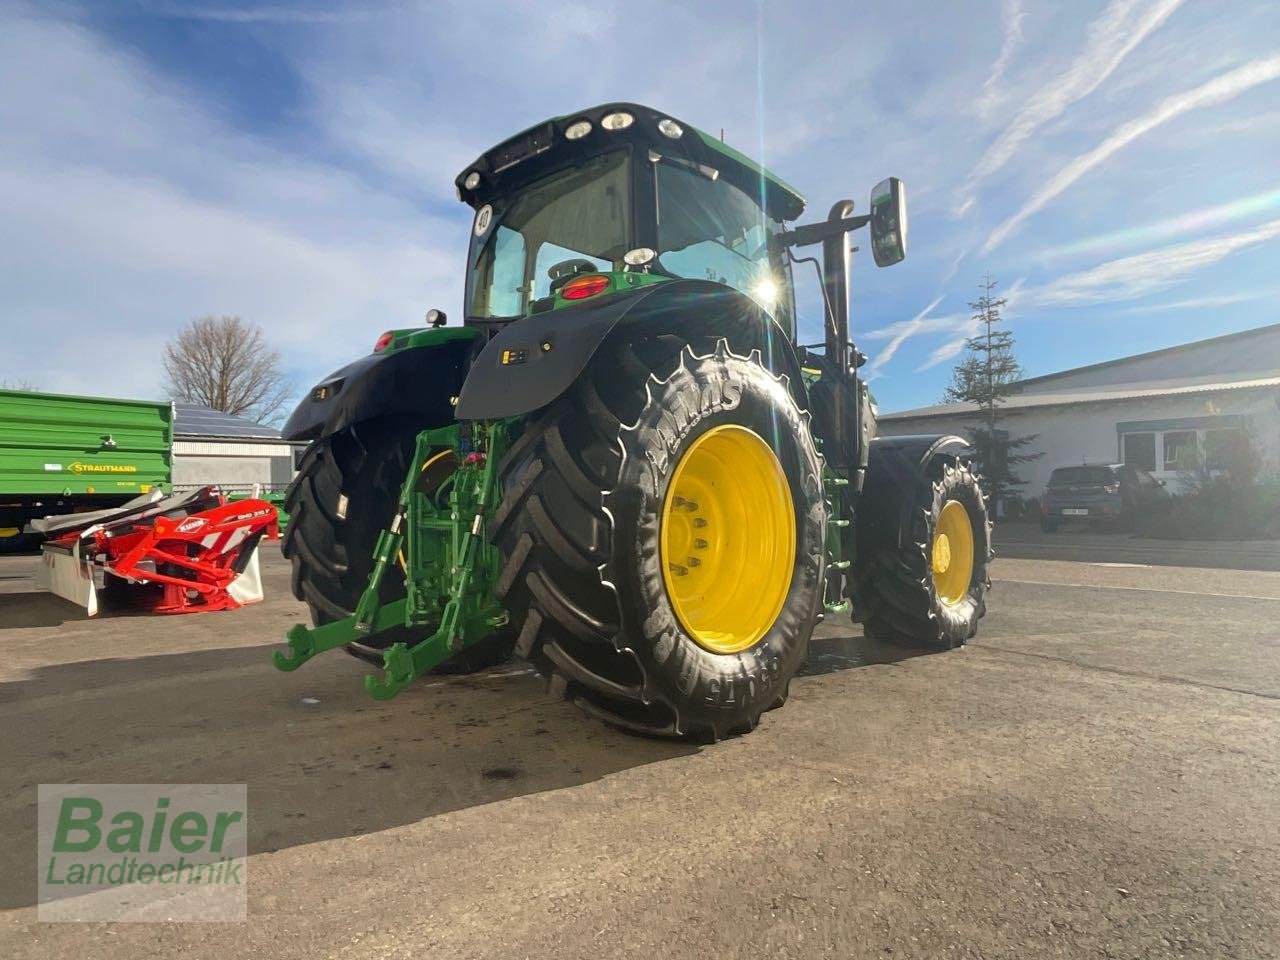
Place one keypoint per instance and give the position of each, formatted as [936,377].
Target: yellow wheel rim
[728,539]
[953,553]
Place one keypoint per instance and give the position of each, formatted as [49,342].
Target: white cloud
[1218,90]
[1012,15]
[966,326]
[897,334]
[260,14]
[128,210]
[1121,27]
[1132,277]
[951,348]
[1203,303]
[1192,221]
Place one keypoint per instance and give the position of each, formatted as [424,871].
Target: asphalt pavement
[1079,541]
[1095,776]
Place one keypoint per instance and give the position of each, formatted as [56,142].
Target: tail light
[588,285]
[383,341]
[1111,488]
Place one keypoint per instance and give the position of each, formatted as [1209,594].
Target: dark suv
[1114,492]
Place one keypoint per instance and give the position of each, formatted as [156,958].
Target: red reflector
[579,288]
[384,341]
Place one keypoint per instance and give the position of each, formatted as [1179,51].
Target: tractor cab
[615,198]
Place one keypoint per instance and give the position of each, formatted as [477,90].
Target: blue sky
[1113,163]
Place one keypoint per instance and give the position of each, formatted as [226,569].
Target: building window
[1222,448]
[1180,450]
[1140,450]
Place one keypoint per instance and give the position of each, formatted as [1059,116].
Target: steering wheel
[562,272]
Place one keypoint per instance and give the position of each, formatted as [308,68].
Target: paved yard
[1096,776]
[1078,541]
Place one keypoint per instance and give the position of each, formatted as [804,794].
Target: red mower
[200,550]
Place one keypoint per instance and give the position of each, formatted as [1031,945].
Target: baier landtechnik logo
[142,852]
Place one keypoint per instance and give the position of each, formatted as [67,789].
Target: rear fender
[417,380]
[535,360]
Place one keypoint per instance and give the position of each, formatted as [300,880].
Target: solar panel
[193,420]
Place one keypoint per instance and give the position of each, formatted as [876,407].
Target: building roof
[1024,401]
[192,421]
[1247,359]
[1256,350]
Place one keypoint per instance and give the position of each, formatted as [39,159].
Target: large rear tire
[923,553]
[662,537]
[343,496]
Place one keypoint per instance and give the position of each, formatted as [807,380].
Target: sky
[1112,164]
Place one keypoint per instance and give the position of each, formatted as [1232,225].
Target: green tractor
[623,464]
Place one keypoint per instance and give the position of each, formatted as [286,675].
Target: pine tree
[985,377]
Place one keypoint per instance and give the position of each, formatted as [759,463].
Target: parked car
[1115,493]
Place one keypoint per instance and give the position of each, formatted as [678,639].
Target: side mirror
[889,222]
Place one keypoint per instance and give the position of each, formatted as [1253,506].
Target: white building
[212,448]
[1159,411]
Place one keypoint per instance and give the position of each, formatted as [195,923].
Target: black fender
[417,381]
[535,360]
[895,463]
[916,451]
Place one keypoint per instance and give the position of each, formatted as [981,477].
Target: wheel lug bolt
[678,570]
[694,562]
[683,504]
[699,522]
[699,544]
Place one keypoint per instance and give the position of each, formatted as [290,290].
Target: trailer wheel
[343,496]
[662,537]
[13,540]
[924,547]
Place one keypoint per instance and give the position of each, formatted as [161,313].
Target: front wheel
[924,547]
[662,534]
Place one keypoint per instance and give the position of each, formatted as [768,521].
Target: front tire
[923,554]
[607,610]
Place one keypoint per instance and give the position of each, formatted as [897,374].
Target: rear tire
[330,543]
[580,532]
[897,592]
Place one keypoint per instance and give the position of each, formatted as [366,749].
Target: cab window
[710,230]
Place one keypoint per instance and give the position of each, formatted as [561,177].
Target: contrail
[1111,38]
[898,334]
[1194,220]
[1132,277]
[967,327]
[1218,90]
[1014,14]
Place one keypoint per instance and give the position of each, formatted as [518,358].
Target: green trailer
[61,454]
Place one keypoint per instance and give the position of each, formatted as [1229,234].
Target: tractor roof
[544,147]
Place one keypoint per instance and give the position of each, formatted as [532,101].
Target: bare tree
[225,364]
[22,383]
